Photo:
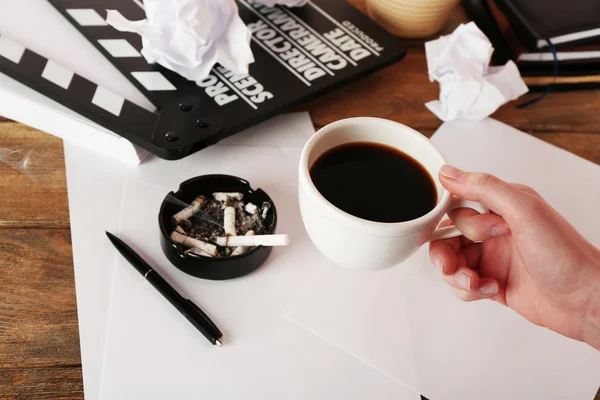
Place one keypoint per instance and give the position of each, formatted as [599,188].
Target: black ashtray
[215,268]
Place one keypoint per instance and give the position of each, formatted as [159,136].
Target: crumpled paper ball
[469,88]
[288,3]
[191,36]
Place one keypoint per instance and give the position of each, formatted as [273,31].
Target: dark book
[582,54]
[574,60]
[480,13]
[581,82]
[578,66]
[563,22]
[508,45]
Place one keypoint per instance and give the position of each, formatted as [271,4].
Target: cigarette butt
[178,237]
[197,251]
[251,208]
[185,224]
[180,230]
[242,249]
[226,196]
[257,240]
[191,242]
[229,221]
[265,209]
[190,210]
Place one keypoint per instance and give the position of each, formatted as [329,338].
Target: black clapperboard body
[299,53]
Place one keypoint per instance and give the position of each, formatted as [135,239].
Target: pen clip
[205,318]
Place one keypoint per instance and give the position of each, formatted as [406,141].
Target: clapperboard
[299,53]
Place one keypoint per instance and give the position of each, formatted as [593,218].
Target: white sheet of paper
[91,212]
[152,352]
[406,323]
[94,256]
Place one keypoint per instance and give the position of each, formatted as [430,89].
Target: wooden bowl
[411,18]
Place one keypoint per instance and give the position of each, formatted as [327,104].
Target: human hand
[525,256]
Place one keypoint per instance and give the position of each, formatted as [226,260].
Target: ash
[207,224]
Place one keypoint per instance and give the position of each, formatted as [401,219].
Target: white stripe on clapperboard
[316,7]
[120,48]
[109,101]
[232,86]
[62,77]
[57,74]
[259,15]
[86,17]
[11,50]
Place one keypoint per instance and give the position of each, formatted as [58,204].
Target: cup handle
[448,232]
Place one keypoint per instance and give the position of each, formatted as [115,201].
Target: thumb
[499,196]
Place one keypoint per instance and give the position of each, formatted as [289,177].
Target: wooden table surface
[39,339]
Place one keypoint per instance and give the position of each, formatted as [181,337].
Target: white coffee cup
[357,243]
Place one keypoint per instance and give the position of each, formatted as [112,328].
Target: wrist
[591,317]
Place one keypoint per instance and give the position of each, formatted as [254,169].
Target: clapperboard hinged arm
[179,128]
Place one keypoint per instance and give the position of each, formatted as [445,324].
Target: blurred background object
[411,18]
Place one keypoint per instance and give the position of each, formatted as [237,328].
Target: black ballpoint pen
[191,311]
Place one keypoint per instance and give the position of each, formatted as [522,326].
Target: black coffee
[374,182]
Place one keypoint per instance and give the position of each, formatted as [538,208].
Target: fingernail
[464,281]
[451,172]
[499,230]
[438,263]
[488,288]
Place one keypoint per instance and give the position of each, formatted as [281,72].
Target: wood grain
[38,313]
[41,383]
[400,91]
[37,198]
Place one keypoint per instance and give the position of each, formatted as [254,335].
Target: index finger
[499,196]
